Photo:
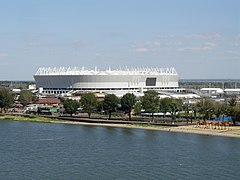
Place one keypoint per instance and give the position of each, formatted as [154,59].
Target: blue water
[59,151]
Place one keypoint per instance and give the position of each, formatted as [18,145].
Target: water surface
[60,151]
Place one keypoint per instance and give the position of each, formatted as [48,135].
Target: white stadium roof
[82,71]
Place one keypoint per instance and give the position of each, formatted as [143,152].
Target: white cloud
[235,44]
[204,36]
[78,43]
[153,46]
[164,36]
[205,47]
[157,43]
[231,54]
[98,54]
[210,45]
[33,44]
[163,43]
[3,55]
[142,49]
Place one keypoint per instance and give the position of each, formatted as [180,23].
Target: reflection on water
[60,151]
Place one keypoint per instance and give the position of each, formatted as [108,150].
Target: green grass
[41,119]
[26,118]
[146,125]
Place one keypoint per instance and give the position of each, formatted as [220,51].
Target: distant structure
[62,80]
[232,91]
[212,90]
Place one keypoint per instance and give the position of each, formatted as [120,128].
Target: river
[63,151]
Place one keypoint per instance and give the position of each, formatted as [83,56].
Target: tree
[35,98]
[205,107]
[110,104]
[128,101]
[170,105]
[88,103]
[6,99]
[70,106]
[194,109]
[25,97]
[165,105]
[219,109]
[232,102]
[233,109]
[175,106]
[186,109]
[99,107]
[138,108]
[151,102]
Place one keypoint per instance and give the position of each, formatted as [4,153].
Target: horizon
[200,38]
[180,80]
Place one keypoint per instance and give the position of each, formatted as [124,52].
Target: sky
[199,38]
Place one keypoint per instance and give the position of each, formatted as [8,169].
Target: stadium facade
[61,80]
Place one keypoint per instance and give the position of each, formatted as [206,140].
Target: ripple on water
[57,151]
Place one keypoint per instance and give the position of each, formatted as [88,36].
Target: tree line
[7,98]
[150,103]
[89,104]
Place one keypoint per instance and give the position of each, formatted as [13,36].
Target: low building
[212,91]
[232,91]
[50,101]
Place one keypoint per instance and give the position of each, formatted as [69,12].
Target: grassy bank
[227,132]
[36,118]
[30,118]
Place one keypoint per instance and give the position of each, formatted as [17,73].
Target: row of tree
[110,104]
[150,102]
[209,109]
[7,98]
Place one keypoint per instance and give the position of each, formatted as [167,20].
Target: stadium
[61,80]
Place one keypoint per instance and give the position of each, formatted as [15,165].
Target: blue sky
[200,38]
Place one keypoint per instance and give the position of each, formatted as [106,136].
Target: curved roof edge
[126,71]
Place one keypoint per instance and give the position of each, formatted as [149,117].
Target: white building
[232,91]
[63,80]
[212,90]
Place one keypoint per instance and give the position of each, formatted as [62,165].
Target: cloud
[78,43]
[236,41]
[153,46]
[33,44]
[3,55]
[141,50]
[231,54]
[165,36]
[98,54]
[205,47]
[118,35]
[237,44]
[210,44]
[163,44]
[213,36]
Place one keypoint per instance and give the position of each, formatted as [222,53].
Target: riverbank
[226,132]
[192,129]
